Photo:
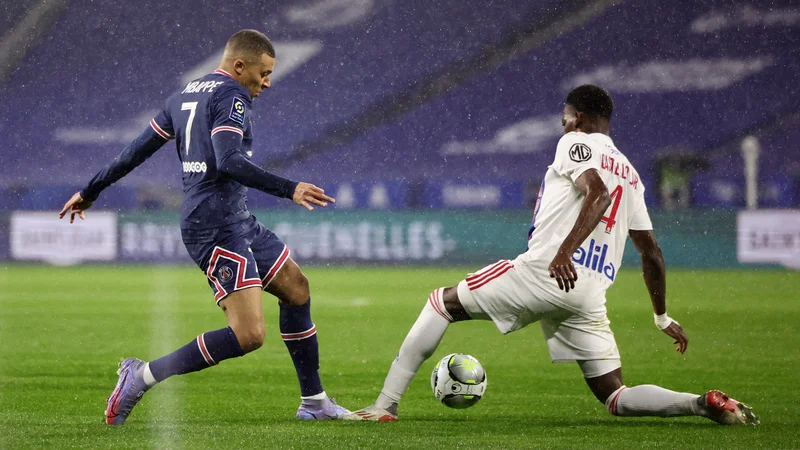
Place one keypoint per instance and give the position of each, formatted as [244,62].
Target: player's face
[570,119]
[255,75]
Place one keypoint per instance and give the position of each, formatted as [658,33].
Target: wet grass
[62,331]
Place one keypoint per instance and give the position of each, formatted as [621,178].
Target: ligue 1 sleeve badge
[237,111]
[225,273]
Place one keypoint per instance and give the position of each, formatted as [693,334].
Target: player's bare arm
[654,272]
[596,201]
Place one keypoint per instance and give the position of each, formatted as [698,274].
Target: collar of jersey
[602,137]
[222,72]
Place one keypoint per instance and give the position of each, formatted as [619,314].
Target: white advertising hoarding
[41,236]
[769,236]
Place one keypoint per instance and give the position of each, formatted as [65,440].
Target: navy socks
[206,350]
[300,336]
[297,330]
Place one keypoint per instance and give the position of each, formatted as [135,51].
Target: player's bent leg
[495,283]
[643,400]
[418,346]
[289,285]
[245,314]
[453,305]
[604,377]
[245,333]
[636,401]
[299,334]
[651,400]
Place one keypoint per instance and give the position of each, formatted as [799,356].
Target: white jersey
[598,258]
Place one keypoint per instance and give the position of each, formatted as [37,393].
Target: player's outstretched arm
[232,164]
[596,201]
[143,147]
[655,277]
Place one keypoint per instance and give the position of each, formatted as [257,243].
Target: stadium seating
[13,12]
[685,76]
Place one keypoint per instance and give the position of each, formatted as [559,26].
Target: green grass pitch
[63,330]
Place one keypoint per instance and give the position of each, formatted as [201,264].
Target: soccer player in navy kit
[210,120]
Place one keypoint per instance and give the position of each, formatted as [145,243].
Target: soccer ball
[458,381]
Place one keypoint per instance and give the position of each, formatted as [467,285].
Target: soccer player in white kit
[590,200]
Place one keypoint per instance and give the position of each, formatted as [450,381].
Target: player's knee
[299,293]
[603,377]
[303,287]
[251,336]
[453,305]
[450,297]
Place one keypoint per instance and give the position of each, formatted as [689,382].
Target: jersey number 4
[191,107]
[610,220]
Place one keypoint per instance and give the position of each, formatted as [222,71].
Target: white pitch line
[161,301]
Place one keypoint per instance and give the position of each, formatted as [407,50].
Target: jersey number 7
[610,219]
[192,107]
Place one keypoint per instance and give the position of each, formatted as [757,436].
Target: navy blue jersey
[210,121]
[215,103]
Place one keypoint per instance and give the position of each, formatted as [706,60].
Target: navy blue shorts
[237,256]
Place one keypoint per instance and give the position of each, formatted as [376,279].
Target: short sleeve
[640,219]
[162,124]
[575,155]
[229,111]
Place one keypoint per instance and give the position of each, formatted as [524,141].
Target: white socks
[651,400]
[149,379]
[419,345]
[321,396]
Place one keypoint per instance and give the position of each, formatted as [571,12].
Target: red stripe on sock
[201,343]
[613,407]
[433,299]
[301,335]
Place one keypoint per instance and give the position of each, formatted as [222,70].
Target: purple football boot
[130,389]
[326,409]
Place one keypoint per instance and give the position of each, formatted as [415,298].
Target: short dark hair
[592,100]
[250,43]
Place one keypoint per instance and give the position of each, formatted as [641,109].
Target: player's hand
[306,194]
[75,205]
[563,271]
[676,332]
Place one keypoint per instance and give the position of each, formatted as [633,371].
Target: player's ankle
[385,402]
[320,400]
[700,406]
[148,377]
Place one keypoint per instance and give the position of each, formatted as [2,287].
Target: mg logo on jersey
[595,259]
[580,152]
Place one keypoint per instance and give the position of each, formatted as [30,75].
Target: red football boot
[727,411]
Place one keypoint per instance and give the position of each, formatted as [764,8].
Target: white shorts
[510,295]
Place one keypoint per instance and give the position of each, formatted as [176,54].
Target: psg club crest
[580,152]
[225,273]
